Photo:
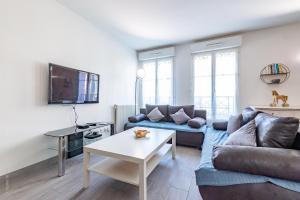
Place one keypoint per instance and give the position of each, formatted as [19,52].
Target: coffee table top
[125,146]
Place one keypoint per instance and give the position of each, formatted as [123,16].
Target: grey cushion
[180,117]
[234,123]
[245,136]
[272,162]
[196,122]
[278,132]
[248,114]
[155,115]
[188,109]
[162,108]
[136,118]
[220,125]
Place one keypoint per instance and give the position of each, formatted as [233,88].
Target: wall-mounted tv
[72,86]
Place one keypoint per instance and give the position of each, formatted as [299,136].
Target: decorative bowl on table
[141,133]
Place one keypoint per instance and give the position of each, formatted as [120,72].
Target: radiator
[122,112]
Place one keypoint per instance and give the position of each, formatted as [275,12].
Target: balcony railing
[225,105]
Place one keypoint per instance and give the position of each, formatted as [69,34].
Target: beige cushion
[180,117]
[245,136]
[155,115]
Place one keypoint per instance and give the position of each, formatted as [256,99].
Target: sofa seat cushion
[167,125]
[207,175]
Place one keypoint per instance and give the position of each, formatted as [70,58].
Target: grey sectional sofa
[185,135]
[250,173]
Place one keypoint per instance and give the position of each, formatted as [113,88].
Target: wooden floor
[171,180]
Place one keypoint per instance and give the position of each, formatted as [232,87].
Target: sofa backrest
[143,111]
[198,113]
[296,144]
[249,113]
[274,131]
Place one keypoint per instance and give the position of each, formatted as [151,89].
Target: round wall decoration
[275,73]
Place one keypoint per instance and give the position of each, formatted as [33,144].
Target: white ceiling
[149,23]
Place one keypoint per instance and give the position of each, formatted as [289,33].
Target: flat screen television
[72,86]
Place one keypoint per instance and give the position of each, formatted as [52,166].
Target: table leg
[174,146]
[86,172]
[61,155]
[142,181]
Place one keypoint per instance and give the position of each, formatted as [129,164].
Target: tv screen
[72,86]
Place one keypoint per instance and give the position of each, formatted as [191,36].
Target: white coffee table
[129,159]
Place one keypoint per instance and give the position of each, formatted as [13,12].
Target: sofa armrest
[137,118]
[220,125]
[272,162]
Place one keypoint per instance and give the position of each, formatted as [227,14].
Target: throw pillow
[220,125]
[155,115]
[180,117]
[277,132]
[234,123]
[245,136]
[196,122]
[249,114]
[162,108]
[188,109]
[136,118]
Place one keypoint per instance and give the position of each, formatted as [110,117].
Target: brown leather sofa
[276,157]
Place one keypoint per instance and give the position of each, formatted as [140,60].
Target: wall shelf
[275,73]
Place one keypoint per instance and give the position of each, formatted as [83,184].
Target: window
[149,82]
[157,86]
[215,77]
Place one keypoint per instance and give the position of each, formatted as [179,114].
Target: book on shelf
[275,68]
[280,68]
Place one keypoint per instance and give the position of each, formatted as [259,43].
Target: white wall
[259,48]
[32,34]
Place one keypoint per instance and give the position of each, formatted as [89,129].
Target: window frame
[213,78]
[156,61]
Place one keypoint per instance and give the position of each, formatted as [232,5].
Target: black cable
[75,114]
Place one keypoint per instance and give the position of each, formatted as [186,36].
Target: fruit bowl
[141,133]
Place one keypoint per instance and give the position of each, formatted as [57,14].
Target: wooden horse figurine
[277,97]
